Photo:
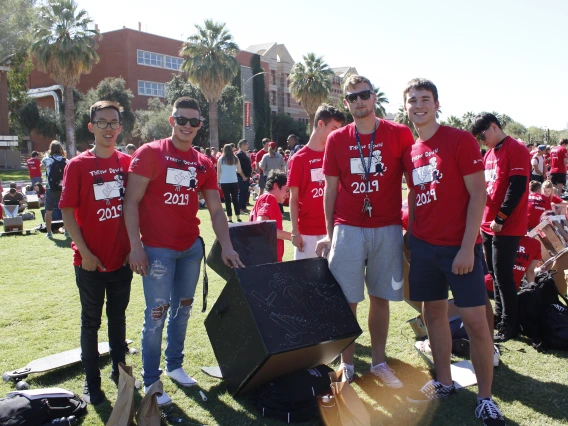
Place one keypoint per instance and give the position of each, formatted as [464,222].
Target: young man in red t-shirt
[161,218]
[259,155]
[444,173]
[91,204]
[558,163]
[537,204]
[34,168]
[507,171]
[362,200]
[306,183]
[267,206]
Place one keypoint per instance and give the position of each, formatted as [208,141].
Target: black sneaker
[487,411]
[114,375]
[504,333]
[92,392]
[431,391]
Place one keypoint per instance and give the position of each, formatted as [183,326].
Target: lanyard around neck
[366,165]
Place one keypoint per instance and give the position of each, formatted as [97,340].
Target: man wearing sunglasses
[363,219]
[505,219]
[91,204]
[161,217]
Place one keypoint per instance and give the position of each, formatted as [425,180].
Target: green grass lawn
[40,316]
[14,175]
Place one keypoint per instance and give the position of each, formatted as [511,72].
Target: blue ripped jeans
[169,287]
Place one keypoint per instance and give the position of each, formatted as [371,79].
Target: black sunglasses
[182,121]
[364,95]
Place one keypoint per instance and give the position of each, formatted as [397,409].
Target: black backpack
[38,407]
[55,175]
[293,397]
[541,315]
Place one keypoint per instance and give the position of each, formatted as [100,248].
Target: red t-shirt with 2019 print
[168,209]
[342,159]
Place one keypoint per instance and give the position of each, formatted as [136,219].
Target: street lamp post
[243,87]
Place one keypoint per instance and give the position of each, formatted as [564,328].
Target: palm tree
[467,120]
[381,99]
[65,48]
[402,117]
[310,83]
[211,65]
[454,121]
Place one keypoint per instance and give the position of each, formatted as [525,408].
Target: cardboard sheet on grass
[348,410]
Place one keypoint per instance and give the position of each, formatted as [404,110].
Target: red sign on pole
[247,114]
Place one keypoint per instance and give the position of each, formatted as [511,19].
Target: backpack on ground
[55,175]
[39,406]
[293,397]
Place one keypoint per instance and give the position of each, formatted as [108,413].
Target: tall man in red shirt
[444,173]
[34,168]
[306,183]
[507,171]
[161,206]
[363,217]
[91,204]
[558,162]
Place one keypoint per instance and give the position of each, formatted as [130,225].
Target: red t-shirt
[511,159]
[94,187]
[537,205]
[213,160]
[168,209]
[34,167]
[259,156]
[305,173]
[556,199]
[267,205]
[342,159]
[557,156]
[435,169]
[529,250]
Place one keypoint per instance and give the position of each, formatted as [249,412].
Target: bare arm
[280,234]
[221,228]
[530,270]
[219,173]
[90,261]
[240,169]
[411,198]
[137,186]
[329,196]
[475,185]
[296,238]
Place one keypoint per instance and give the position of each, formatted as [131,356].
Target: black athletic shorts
[557,178]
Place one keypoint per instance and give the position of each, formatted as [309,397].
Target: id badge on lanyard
[367,208]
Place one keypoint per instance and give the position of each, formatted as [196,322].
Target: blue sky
[501,55]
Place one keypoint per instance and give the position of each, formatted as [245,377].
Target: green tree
[310,83]
[467,120]
[211,64]
[261,106]
[402,117]
[516,130]
[380,102]
[44,121]
[152,123]
[17,18]
[17,78]
[454,121]
[109,89]
[284,125]
[65,48]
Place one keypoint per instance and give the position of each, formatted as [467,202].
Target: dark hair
[100,105]
[187,102]
[228,156]
[242,142]
[293,136]
[265,141]
[41,188]
[420,84]
[535,186]
[208,152]
[546,214]
[482,122]
[352,80]
[55,148]
[275,177]
[34,154]
[326,113]
[563,141]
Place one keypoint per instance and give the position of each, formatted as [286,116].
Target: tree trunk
[214,124]
[312,117]
[70,122]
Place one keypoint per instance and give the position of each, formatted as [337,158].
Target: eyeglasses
[364,95]
[114,125]
[481,136]
[182,121]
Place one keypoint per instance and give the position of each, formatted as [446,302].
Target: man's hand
[463,262]
[91,262]
[298,242]
[323,247]
[231,258]
[138,260]
[495,227]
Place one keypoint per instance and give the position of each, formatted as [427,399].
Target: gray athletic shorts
[371,256]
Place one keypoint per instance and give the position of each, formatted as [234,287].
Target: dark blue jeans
[93,286]
[243,193]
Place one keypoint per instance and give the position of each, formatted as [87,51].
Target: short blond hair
[355,79]
[547,185]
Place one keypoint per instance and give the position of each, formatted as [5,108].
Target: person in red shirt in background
[306,183]
[267,208]
[362,200]
[211,157]
[507,171]
[91,203]
[161,219]
[558,163]
[559,203]
[538,203]
[34,168]
[261,153]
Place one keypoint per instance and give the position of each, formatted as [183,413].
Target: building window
[273,97]
[273,112]
[273,75]
[173,63]
[158,60]
[150,88]
[288,99]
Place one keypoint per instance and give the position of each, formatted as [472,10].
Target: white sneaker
[386,374]
[496,355]
[163,399]
[348,371]
[180,377]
